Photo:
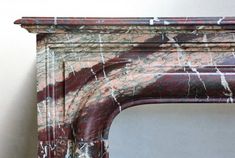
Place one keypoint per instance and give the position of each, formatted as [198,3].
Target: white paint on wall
[174,130]
[17,56]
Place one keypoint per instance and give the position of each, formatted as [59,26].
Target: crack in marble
[52,147]
[55,20]
[151,21]
[68,155]
[72,69]
[166,22]
[101,49]
[45,154]
[180,54]
[226,86]
[84,153]
[106,77]
[106,146]
[199,77]
[220,20]
[71,153]
[92,71]
[205,39]
[233,54]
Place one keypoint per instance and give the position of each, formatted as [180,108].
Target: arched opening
[174,130]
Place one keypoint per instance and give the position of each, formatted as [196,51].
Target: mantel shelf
[126,21]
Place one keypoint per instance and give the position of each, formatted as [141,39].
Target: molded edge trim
[126,21]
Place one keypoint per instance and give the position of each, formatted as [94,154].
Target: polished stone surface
[90,69]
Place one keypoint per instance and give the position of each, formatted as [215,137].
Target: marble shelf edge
[125,20]
[89,69]
[30,23]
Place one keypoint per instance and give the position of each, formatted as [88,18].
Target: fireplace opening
[174,130]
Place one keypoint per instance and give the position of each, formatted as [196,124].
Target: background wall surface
[144,132]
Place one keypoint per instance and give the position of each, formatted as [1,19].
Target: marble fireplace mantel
[90,69]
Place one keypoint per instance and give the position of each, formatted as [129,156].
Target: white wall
[18,86]
[174,131]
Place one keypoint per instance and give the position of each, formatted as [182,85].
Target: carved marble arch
[91,69]
[98,87]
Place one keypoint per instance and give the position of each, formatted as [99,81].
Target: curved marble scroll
[87,74]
